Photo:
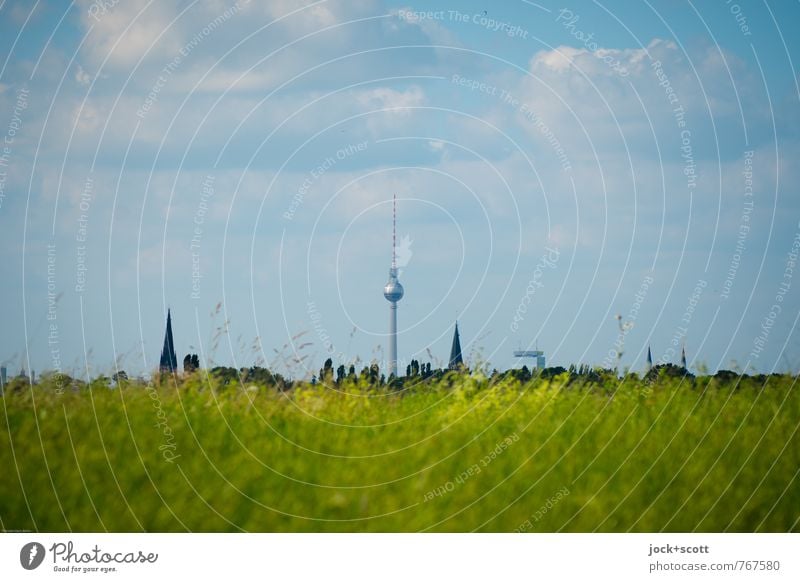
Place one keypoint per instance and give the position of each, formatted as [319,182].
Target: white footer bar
[401,557]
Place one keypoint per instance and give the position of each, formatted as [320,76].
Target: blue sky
[556,165]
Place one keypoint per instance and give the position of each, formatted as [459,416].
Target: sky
[585,178]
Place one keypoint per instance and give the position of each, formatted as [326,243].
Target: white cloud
[127,31]
[601,61]
[135,30]
[81,76]
[392,99]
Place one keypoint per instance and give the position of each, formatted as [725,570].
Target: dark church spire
[169,362]
[456,361]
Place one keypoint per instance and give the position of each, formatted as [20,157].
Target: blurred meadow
[456,453]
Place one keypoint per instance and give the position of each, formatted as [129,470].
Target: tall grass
[456,454]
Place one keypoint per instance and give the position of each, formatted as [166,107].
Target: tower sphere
[393,290]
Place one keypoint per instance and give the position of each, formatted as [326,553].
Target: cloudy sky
[555,164]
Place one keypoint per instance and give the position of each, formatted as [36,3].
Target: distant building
[649,364]
[536,355]
[169,362]
[3,379]
[456,360]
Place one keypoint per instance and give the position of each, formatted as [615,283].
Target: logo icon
[31,555]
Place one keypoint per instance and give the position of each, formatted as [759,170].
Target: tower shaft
[393,338]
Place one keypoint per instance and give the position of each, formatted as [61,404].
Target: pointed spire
[649,359]
[456,360]
[169,362]
[683,357]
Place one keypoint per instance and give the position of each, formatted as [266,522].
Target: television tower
[393,291]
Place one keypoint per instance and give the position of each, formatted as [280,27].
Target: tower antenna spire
[394,231]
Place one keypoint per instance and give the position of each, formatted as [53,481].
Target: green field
[455,454]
